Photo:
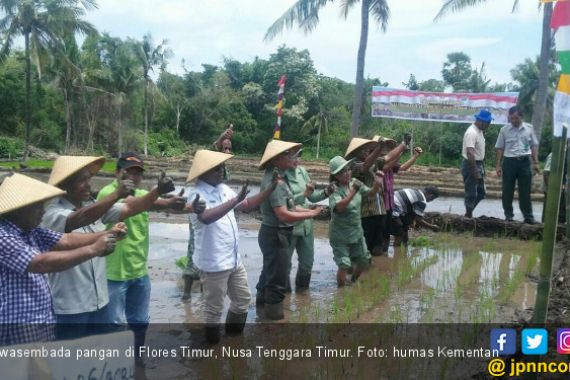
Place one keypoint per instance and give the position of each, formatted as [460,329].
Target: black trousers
[274,243]
[374,228]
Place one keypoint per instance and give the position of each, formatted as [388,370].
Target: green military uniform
[345,231]
[373,210]
[303,239]
[274,240]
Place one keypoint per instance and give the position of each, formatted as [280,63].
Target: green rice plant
[182,262]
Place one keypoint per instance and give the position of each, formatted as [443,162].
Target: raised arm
[417,153]
[95,211]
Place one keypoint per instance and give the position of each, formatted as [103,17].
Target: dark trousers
[517,170]
[374,227]
[275,246]
[474,188]
[387,231]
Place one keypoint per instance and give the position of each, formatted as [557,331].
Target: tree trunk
[27,111]
[120,126]
[359,86]
[67,119]
[543,75]
[178,113]
[319,140]
[145,117]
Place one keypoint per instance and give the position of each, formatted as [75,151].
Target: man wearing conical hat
[80,293]
[279,215]
[390,169]
[27,253]
[216,242]
[127,273]
[191,273]
[370,156]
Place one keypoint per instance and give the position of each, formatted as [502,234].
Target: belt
[519,158]
[286,228]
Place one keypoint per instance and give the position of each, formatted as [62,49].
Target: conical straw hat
[387,143]
[205,160]
[356,143]
[66,166]
[274,148]
[18,191]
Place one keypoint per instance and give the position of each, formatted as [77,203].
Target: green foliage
[166,144]
[11,147]
[195,107]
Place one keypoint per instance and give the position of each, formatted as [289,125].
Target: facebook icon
[504,341]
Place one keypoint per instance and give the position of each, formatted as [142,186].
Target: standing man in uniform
[279,215]
[473,166]
[518,144]
[303,239]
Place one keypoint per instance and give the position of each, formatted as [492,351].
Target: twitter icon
[534,341]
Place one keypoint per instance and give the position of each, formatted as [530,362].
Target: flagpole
[279,107]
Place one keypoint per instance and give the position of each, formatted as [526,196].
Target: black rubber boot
[302,281]
[468,212]
[235,323]
[274,311]
[260,298]
[212,334]
[188,281]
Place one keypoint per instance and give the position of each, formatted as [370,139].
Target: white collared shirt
[215,244]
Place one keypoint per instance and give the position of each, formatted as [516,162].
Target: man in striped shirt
[409,207]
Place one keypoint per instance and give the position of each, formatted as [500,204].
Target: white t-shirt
[475,139]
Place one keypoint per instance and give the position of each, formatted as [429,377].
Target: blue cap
[484,116]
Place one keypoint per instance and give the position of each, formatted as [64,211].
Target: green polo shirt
[345,227]
[281,196]
[128,261]
[298,179]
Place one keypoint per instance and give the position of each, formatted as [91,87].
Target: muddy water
[452,279]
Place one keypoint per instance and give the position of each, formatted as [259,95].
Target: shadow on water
[451,279]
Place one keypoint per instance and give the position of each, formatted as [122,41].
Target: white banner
[440,106]
[109,356]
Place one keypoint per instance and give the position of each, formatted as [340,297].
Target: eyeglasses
[293,153]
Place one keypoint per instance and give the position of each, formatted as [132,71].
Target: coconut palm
[149,57]
[42,23]
[546,46]
[305,13]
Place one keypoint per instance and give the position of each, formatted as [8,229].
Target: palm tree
[43,23]
[306,14]
[546,46]
[149,57]
[318,121]
[67,76]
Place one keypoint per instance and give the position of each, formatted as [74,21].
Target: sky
[207,31]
